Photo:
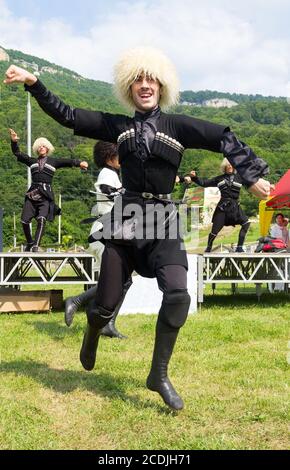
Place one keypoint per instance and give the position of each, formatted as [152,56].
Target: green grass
[229,365]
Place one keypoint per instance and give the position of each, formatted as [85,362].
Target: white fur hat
[42,141]
[149,61]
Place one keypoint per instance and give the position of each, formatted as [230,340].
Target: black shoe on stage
[28,246]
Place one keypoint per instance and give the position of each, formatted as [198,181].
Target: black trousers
[117,267]
[219,221]
[34,209]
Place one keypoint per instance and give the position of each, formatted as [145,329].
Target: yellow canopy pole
[265,217]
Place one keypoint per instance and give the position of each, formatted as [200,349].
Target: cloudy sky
[227,45]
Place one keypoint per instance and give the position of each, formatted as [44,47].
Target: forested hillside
[264,123]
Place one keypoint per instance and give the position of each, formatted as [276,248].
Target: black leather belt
[146,195]
[43,185]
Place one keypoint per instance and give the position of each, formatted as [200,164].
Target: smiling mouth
[145,96]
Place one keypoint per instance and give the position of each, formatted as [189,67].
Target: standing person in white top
[280,230]
[107,186]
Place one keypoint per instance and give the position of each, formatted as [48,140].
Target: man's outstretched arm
[50,103]
[197,133]
[93,124]
[21,157]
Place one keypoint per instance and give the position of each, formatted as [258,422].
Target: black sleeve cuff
[15,148]
[37,88]
[248,165]
[52,104]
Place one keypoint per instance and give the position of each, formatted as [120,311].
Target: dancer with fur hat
[150,147]
[39,200]
[228,210]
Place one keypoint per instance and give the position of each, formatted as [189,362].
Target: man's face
[114,162]
[280,220]
[145,93]
[42,151]
[229,169]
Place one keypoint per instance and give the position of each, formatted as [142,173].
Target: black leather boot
[41,221]
[97,317]
[210,241]
[72,304]
[28,246]
[27,233]
[242,235]
[172,316]
[158,380]
[110,329]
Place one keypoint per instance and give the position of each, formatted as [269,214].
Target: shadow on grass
[56,330]
[65,381]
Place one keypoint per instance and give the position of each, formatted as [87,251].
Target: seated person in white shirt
[279,229]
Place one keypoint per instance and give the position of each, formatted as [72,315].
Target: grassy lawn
[230,366]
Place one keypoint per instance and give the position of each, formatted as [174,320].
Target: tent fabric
[280,197]
[265,217]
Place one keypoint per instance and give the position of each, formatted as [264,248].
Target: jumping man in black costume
[150,146]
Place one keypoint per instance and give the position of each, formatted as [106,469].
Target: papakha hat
[149,61]
[42,141]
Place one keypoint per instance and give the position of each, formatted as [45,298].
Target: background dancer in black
[150,147]
[39,200]
[108,184]
[228,210]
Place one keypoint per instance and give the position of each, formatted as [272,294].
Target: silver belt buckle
[147,195]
